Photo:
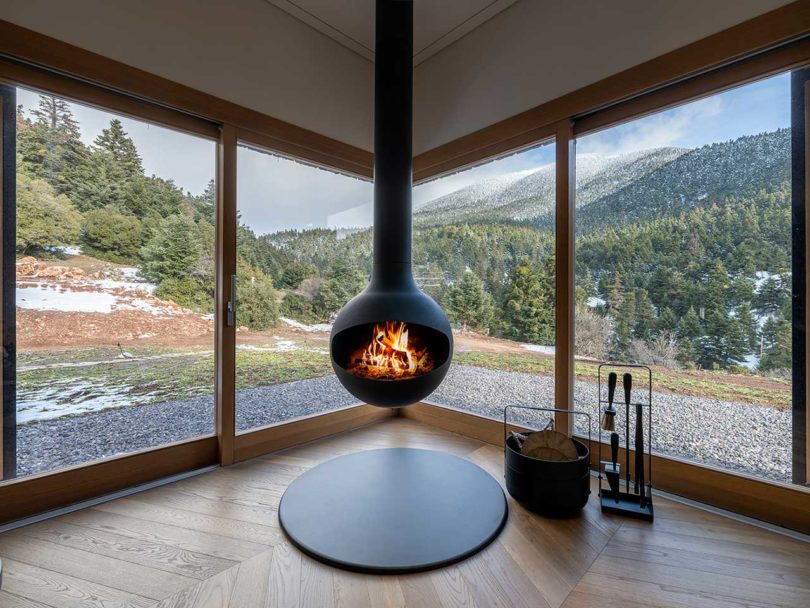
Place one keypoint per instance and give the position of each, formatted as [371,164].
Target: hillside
[531,197]
[699,178]
[634,187]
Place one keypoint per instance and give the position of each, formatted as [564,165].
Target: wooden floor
[214,541]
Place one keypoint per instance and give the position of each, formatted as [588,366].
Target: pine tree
[777,345]
[644,326]
[749,326]
[528,310]
[623,319]
[55,113]
[468,304]
[205,204]
[172,251]
[667,321]
[49,148]
[616,296]
[118,144]
[714,351]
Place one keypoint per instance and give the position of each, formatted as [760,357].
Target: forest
[695,273]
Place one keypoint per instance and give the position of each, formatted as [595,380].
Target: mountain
[531,197]
[736,169]
[628,188]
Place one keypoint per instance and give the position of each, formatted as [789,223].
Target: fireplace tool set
[636,498]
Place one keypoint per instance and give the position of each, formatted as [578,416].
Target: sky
[275,193]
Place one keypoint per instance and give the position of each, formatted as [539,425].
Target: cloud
[656,131]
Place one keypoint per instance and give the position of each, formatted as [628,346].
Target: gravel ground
[749,438]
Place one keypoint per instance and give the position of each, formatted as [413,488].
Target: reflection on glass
[683,262]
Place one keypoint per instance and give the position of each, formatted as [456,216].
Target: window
[683,262]
[484,249]
[114,248]
[303,251]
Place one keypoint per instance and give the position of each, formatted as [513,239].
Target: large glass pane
[484,249]
[114,285]
[683,260]
[304,250]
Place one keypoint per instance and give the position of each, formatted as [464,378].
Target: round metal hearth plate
[393,510]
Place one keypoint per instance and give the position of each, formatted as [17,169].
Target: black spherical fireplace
[389,347]
[397,509]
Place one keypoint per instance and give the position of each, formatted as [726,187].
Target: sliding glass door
[685,260]
[108,284]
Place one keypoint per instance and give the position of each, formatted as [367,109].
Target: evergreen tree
[205,204]
[115,141]
[345,281]
[49,148]
[172,251]
[528,310]
[294,274]
[623,319]
[644,326]
[748,325]
[100,182]
[55,113]
[777,345]
[616,295]
[713,347]
[667,321]
[468,304]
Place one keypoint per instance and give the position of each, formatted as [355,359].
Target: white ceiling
[308,61]
[437,23]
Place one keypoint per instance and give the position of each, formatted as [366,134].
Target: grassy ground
[156,374]
[709,384]
[161,374]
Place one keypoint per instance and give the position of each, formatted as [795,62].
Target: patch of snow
[69,397]
[751,362]
[101,296]
[315,327]
[595,301]
[68,250]
[53,296]
[537,348]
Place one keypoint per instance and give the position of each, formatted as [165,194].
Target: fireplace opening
[392,351]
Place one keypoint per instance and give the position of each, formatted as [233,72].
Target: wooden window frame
[753,49]
[25,496]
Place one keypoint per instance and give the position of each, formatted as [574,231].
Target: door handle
[230,319]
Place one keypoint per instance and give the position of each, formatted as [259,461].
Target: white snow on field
[86,295]
[595,301]
[70,397]
[53,296]
[316,327]
[537,348]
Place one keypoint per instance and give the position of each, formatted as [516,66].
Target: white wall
[252,53]
[246,51]
[537,50]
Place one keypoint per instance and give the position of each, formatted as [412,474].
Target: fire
[389,356]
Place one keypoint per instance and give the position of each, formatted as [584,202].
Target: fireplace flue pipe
[393,149]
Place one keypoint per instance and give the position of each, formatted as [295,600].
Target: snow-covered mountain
[521,197]
[628,187]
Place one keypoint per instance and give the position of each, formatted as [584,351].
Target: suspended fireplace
[391,345]
[396,509]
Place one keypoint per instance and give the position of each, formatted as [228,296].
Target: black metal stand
[393,510]
[636,503]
